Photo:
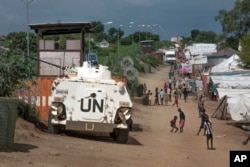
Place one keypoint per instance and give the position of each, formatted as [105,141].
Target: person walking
[176,98]
[166,98]
[174,82]
[161,96]
[200,105]
[209,134]
[165,87]
[203,116]
[182,119]
[170,94]
[150,95]
[147,97]
[180,91]
[173,125]
[185,94]
[170,83]
[144,88]
[156,102]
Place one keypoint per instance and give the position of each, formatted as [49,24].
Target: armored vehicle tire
[130,124]
[122,136]
[50,125]
[55,129]
[113,135]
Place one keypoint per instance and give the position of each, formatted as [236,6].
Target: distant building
[176,39]
[218,57]
[147,46]
[202,49]
[103,44]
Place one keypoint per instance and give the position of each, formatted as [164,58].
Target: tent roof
[237,103]
[229,65]
[231,81]
[225,52]
[61,28]
[232,92]
[202,48]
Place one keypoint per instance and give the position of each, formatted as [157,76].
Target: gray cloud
[176,17]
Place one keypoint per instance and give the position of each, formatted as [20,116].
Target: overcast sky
[168,18]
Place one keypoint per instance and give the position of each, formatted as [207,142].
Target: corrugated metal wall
[38,95]
[45,84]
[43,95]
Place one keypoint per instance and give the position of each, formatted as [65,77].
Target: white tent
[232,92]
[236,102]
[228,65]
[228,74]
[200,59]
[202,48]
[231,81]
[239,107]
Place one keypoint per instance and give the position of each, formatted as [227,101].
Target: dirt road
[150,144]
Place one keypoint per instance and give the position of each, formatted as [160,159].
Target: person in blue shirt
[203,116]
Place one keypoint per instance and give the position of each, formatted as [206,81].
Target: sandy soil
[150,144]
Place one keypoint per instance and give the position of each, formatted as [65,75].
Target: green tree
[201,37]
[235,22]
[236,26]
[112,31]
[194,34]
[206,37]
[245,51]
[15,70]
[97,27]
[18,40]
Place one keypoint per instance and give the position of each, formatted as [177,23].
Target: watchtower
[53,57]
[66,53]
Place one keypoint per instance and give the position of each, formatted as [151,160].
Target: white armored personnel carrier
[89,100]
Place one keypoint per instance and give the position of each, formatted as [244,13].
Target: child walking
[209,134]
[150,98]
[176,98]
[173,124]
[166,98]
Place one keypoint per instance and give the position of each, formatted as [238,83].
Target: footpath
[178,149]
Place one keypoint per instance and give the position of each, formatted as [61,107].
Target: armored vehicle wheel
[113,135]
[130,124]
[122,136]
[55,129]
[50,125]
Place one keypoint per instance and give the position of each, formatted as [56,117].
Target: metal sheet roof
[61,28]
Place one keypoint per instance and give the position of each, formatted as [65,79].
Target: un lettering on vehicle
[92,105]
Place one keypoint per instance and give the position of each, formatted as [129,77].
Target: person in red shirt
[173,124]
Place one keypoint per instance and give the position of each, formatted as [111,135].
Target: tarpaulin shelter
[237,106]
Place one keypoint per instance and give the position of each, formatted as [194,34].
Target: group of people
[181,122]
[164,96]
[205,124]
